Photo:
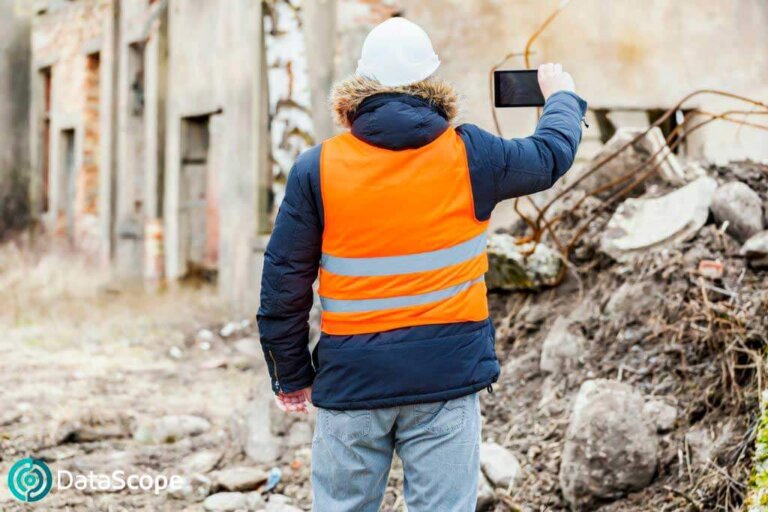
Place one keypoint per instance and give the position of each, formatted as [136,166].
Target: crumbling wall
[64,37]
[14,134]
[215,70]
[623,54]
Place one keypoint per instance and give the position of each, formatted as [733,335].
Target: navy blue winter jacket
[414,364]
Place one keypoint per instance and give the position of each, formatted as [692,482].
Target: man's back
[393,216]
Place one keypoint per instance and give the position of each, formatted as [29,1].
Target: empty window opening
[199,209]
[68,181]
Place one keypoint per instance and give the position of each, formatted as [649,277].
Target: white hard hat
[397,52]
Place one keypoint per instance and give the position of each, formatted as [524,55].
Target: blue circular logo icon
[30,480]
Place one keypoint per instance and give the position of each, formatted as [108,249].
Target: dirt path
[82,364]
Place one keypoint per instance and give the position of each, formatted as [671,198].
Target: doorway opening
[199,207]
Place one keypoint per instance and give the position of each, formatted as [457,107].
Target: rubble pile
[635,383]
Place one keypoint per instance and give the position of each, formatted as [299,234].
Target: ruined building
[162,130]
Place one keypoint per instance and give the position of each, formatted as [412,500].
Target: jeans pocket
[442,417]
[347,425]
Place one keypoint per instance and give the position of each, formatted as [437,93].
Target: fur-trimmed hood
[349,94]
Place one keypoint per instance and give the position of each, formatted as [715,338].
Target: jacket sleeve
[505,168]
[291,264]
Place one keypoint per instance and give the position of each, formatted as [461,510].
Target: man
[394,215]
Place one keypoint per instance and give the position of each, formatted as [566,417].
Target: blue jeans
[438,443]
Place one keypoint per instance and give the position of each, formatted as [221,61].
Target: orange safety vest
[401,244]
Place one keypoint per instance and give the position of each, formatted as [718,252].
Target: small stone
[280,503]
[229,329]
[500,465]
[201,462]
[755,250]
[561,348]
[169,429]
[300,434]
[662,415]
[175,352]
[225,502]
[521,369]
[241,478]
[741,207]
[204,336]
[485,495]
[711,269]
[193,488]
[249,347]
[255,500]
[632,299]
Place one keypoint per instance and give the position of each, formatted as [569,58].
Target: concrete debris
[511,268]
[240,478]
[192,488]
[561,348]
[661,414]
[756,250]
[740,206]
[647,224]
[170,429]
[500,465]
[641,151]
[226,502]
[632,299]
[610,449]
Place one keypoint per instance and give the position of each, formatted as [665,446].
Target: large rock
[510,267]
[170,429]
[631,158]
[644,224]
[739,206]
[500,465]
[610,449]
[251,428]
[756,250]
[562,347]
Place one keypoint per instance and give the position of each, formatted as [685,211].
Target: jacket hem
[438,396]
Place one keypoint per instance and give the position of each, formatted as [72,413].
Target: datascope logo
[30,480]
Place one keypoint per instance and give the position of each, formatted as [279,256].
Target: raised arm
[505,168]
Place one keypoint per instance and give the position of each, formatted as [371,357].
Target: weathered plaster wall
[622,53]
[14,100]
[214,63]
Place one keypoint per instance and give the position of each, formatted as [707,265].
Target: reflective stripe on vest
[401,245]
